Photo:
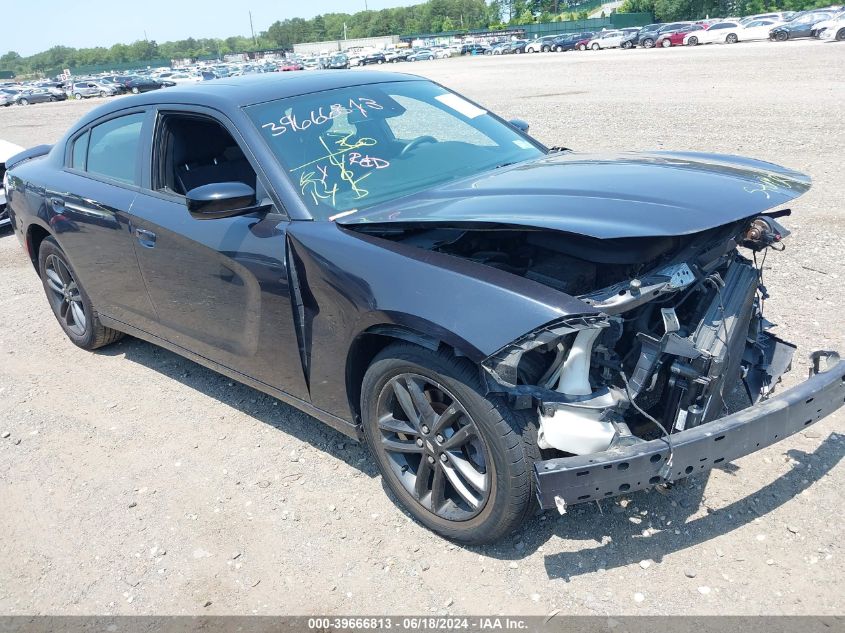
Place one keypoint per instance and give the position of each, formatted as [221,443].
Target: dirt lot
[135,482]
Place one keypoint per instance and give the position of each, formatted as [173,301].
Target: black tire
[648,43]
[840,35]
[595,46]
[627,44]
[135,90]
[692,41]
[781,36]
[24,102]
[90,335]
[666,43]
[545,49]
[503,440]
[731,38]
[559,48]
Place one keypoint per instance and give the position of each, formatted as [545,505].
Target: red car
[291,66]
[581,45]
[676,38]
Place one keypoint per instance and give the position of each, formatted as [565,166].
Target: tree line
[433,16]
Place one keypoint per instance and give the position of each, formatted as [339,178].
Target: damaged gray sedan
[503,323]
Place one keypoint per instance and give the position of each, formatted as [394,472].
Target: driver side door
[220,287]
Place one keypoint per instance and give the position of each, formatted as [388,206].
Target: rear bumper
[565,481]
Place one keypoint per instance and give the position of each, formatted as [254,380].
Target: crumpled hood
[623,195]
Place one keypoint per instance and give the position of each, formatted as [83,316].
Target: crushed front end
[641,394]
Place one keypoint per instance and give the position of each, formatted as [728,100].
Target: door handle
[146,239]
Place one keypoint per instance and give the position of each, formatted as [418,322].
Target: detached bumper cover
[569,480]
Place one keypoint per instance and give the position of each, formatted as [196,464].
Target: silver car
[83,89]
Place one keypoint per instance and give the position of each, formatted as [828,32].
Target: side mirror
[519,124]
[220,200]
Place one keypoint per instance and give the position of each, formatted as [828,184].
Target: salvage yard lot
[133,481]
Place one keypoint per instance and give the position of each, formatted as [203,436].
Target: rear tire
[559,49]
[24,102]
[731,38]
[648,43]
[781,36]
[595,47]
[666,43]
[840,35]
[77,96]
[692,41]
[69,301]
[486,448]
[627,45]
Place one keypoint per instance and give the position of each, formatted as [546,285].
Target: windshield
[354,147]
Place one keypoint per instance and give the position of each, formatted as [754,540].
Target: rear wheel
[840,35]
[24,101]
[559,48]
[666,43]
[692,41]
[648,43]
[731,38]
[135,90]
[69,301]
[781,36]
[458,460]
[103,93]
[627,44]
[595,46]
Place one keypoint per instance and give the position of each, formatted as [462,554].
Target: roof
[251,89]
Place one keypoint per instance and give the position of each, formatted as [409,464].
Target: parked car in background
[394,57]
[7,150]
[6,98]
[423,54]
[581,44]
[497,49]
[754,30]
[564,43]
[819,27]
[649,39]
[714,34]
[781,16]
[337,62]
[676,38]
[29,96]
[644,37]
[834,30]
[606,39]
[85,89]
[373,58]
[801,25]
[137,83]
[473,49]
[541,44]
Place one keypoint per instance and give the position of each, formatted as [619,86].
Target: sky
[40,24]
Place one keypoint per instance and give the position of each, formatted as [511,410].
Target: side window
[198,151]
[79,151]
[113,148]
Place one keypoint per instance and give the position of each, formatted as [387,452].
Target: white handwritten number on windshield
[320,116]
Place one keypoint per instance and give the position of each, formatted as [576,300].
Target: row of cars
[106,86]
[825,24]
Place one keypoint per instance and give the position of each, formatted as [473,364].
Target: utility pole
[252,30]
[366,8]
[344,31]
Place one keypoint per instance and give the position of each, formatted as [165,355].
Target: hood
[625,195]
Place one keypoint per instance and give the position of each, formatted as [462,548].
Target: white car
[715,34]
[831,30]
[607,39]
[7,150]
[540,45]
[754,30]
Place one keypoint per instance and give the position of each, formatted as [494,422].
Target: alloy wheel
[65,295]
[433,447]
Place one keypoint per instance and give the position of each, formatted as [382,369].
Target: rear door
[90,201]
[220,287]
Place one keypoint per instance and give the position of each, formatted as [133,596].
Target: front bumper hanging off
[564,481]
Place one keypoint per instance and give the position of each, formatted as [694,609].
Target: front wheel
[135,90]
[458,460]
[595,47]
[69,301]
[731,38]
[559,49]
[648,43]
[582,47]
[781,36]
[666,43]
[627,45]
[840,35]
[693,41]
[24,102]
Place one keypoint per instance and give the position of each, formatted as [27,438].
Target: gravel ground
[135,482]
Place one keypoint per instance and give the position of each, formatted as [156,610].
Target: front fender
[350,282]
